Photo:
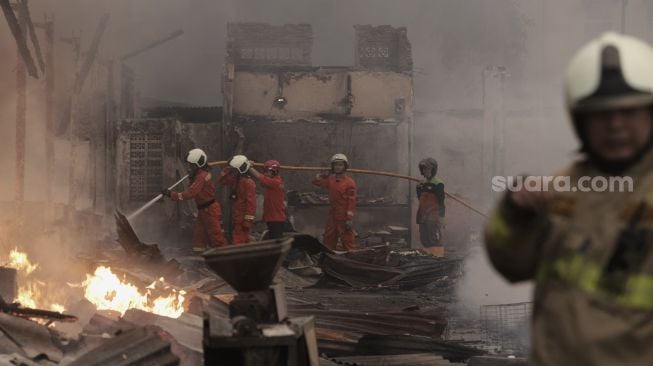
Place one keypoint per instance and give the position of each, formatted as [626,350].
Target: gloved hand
[349,224]
[166,192]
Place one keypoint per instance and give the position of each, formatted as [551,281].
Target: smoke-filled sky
[453,42]
[458,46]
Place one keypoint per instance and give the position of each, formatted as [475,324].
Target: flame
[57,307]
[108,292]
[19,261]
[31,292]
[27,295]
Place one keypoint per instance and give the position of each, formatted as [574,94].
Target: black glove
[349,224]
[165,192]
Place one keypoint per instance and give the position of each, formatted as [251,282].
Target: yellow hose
[360,171]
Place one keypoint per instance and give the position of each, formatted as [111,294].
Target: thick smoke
[458,46]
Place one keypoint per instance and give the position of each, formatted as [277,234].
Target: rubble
[406,344]
[363,271]
[367,306]
[138,346]
[497,361]
[418,359]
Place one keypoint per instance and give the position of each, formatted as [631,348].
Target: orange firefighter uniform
[342,197]
[274,205]
[243,208]
[207,230]
[429,213]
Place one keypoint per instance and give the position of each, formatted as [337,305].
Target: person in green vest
[430,211]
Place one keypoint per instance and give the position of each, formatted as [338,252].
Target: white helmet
[241,163]
[340,157]
[197,157]
[612,71]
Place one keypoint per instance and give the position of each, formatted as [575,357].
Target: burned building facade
[277,105]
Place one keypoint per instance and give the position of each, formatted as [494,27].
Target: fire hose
[314,169]
[154,200]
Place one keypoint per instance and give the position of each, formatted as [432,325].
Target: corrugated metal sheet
[135,347]
[405,344]
[418,359]
[365,273]
[34,339]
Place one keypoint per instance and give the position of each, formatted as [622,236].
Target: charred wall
[150,155]
[383,48]
[258,44]
[338,93]
[301,115]
[368,145]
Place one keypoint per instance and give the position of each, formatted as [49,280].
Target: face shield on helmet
[196,157]
[611,72]
[240,163]
[608,75]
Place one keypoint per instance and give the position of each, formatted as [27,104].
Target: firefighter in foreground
[342,197]
[591,252]
[243,198]
[274,200]
[431,208]
[208,229]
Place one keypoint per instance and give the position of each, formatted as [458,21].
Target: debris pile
[374,306]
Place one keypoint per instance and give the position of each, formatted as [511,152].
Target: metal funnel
[248,267]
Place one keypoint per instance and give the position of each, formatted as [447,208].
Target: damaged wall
[264,44]
[302,115]
[313,143]
[147,158]
[363,94]
[383,48]
[150,155]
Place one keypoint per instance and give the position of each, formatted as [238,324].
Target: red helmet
[272,165]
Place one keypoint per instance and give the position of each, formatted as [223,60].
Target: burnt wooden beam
[24,8]
[19,36]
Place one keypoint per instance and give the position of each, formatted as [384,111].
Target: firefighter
[342,197]
[207,230]
[274,201]
[591,251]
[430,211]
[243,207]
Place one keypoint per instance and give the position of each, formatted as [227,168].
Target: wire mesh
[506,327]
